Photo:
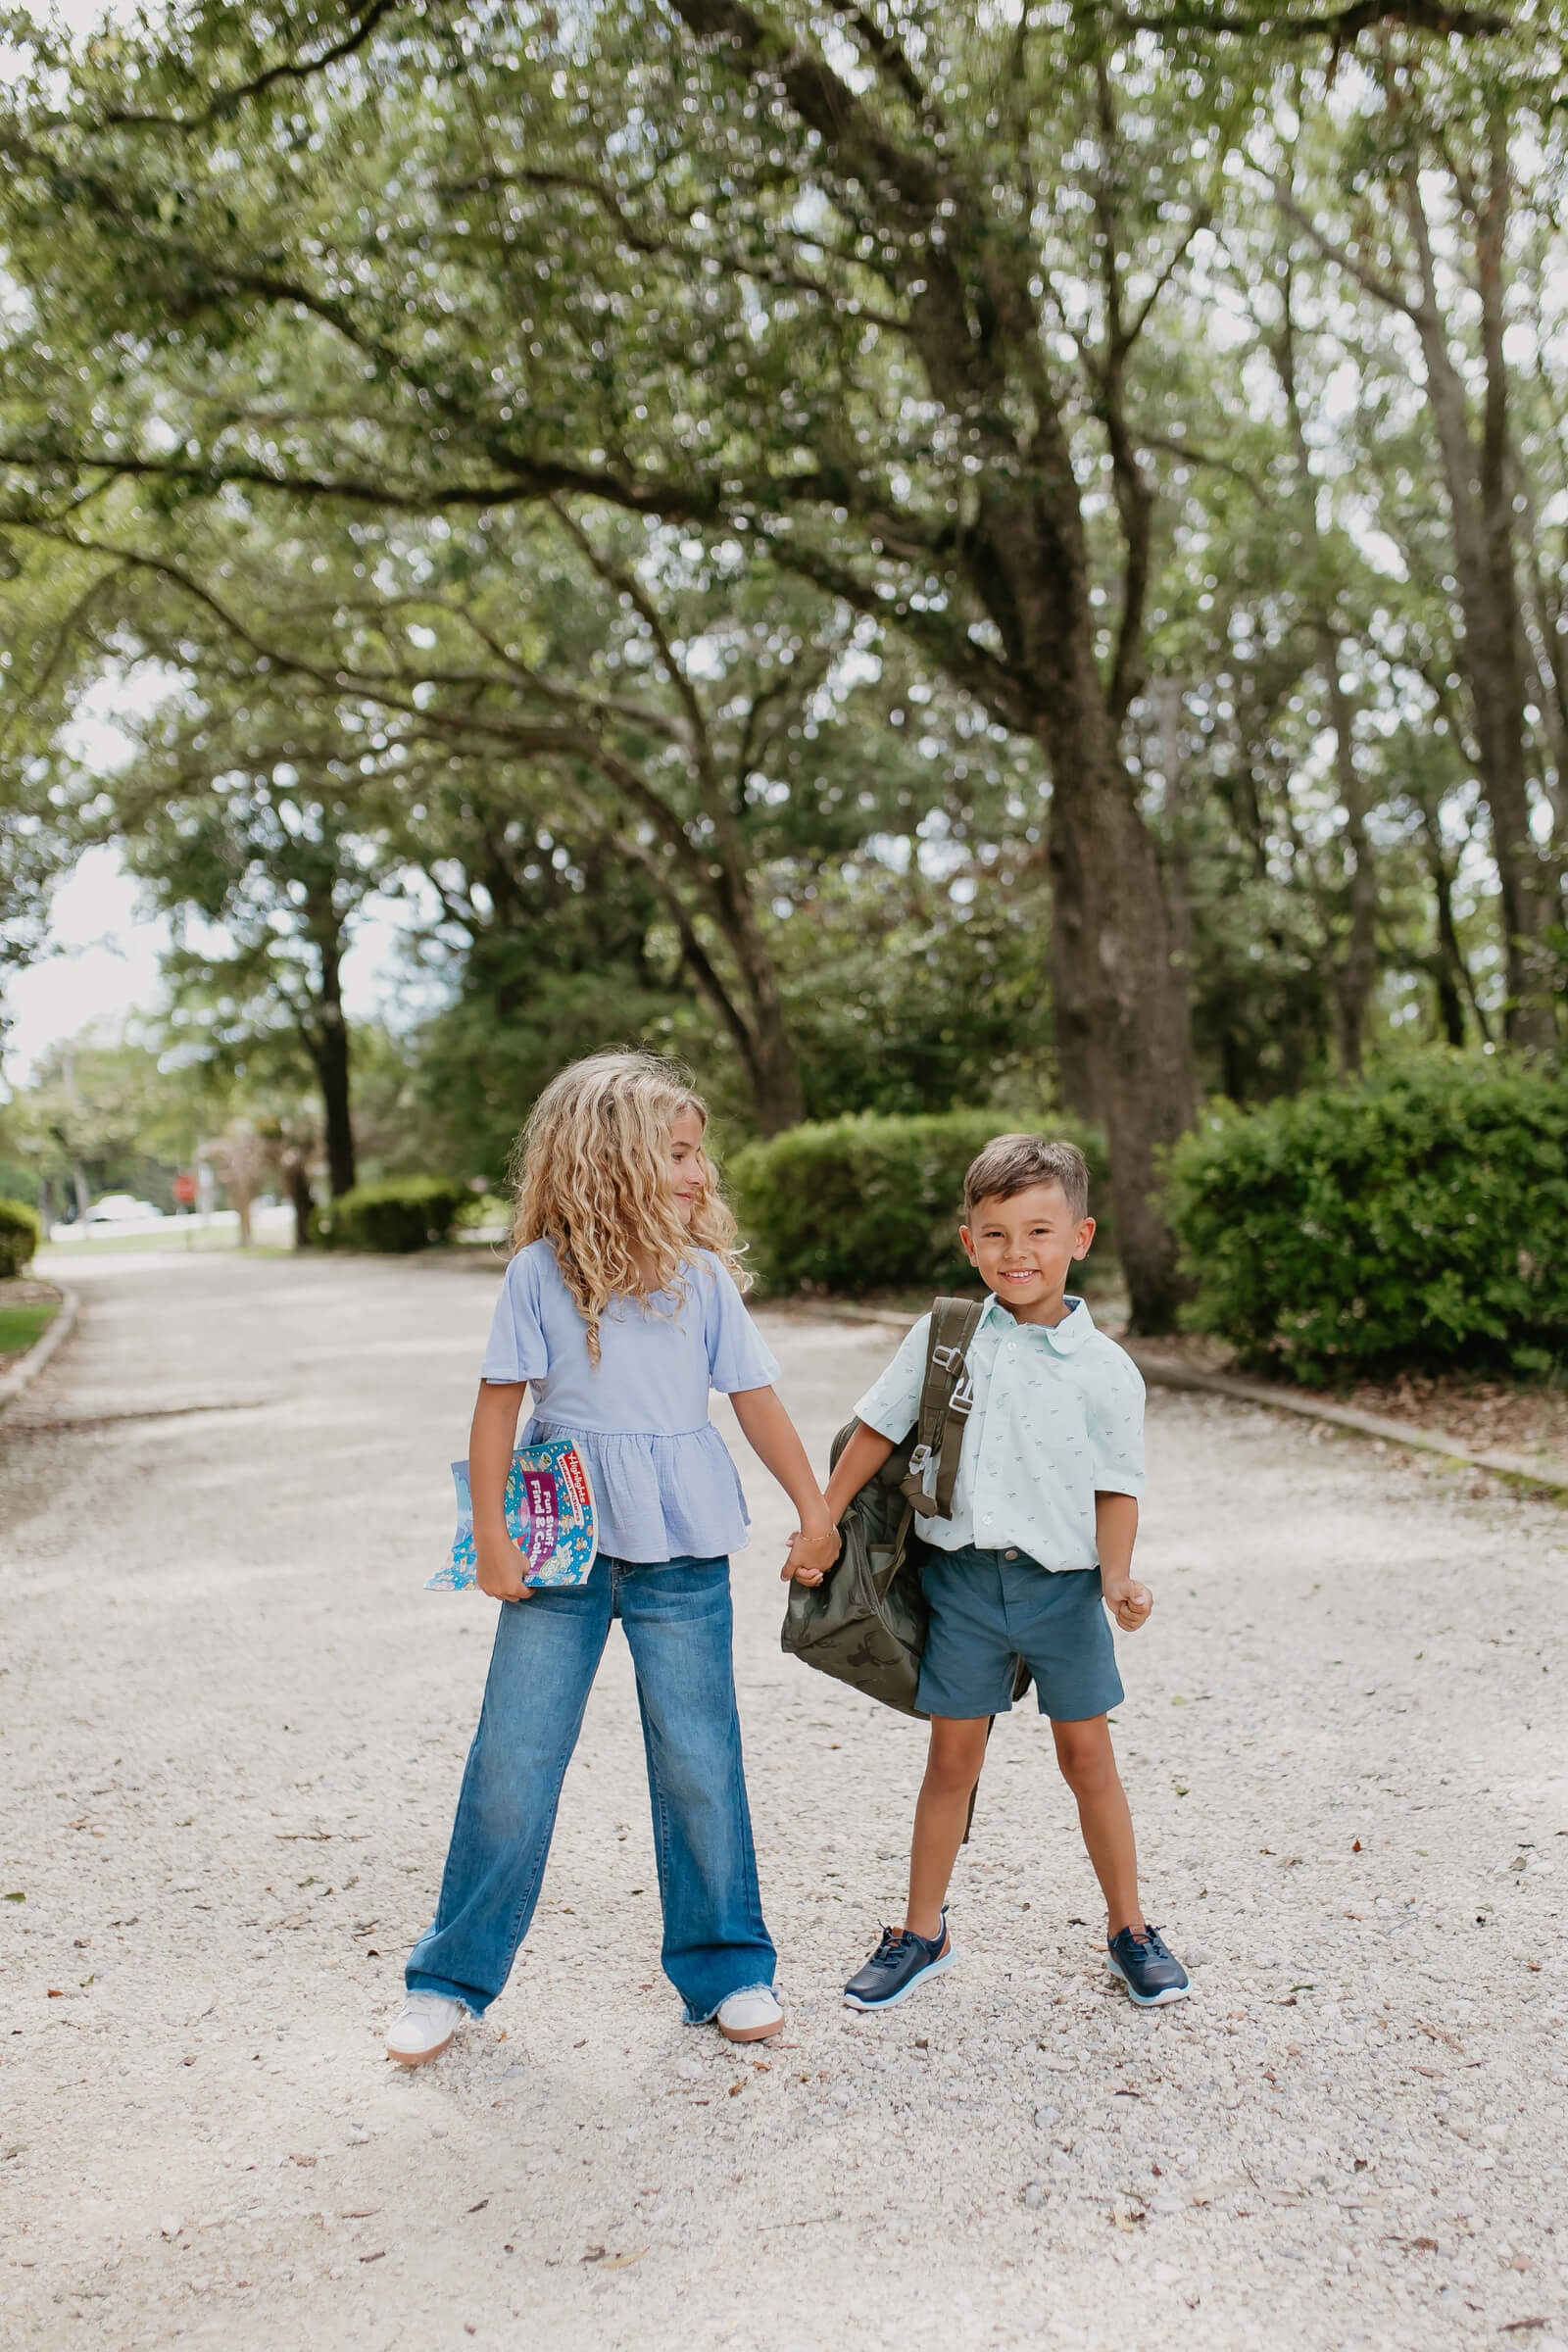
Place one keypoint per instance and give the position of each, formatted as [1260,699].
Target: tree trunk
[1138,1055]
[327,1040]
[1479,486]
[297,1185]
[1070,994]
[1356,973]
[1176,846]
[751,1018]
[1452,972]
[755,1028]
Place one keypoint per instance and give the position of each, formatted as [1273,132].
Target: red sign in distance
[184,1189]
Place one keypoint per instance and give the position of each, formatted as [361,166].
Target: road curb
[22,1376]
[1160,1373]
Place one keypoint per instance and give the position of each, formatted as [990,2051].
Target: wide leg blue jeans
[677,1618]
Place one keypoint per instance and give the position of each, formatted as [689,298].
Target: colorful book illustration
[549,1517]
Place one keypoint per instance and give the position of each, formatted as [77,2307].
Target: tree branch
[1340,25]
[1383,289]
[972,667]
[295,70]
[532,479]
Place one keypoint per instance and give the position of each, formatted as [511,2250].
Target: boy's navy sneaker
[1149,1970]
[901,1961]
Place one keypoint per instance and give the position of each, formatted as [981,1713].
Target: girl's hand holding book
[499,1567]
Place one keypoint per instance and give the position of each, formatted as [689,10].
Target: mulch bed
[1492,1416]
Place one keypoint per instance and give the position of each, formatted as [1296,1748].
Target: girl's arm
[773,1438]
[491,1438]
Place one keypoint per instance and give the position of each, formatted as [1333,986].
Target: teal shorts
[991,1608]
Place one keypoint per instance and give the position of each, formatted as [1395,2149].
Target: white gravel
[233,1730]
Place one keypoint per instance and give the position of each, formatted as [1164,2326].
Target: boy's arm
[773,1438]
[862,1458]
[1115,1531]
[491,1438]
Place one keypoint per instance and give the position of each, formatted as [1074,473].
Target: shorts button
[1009,1555]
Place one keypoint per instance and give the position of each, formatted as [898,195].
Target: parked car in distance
[122,1208]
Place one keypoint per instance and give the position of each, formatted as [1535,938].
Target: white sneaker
[752,2016]
[427,2026]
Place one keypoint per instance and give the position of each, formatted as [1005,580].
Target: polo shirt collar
[1064,1338]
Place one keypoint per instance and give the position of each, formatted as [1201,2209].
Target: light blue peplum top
[663,1477]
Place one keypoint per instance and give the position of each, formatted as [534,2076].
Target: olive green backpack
[865,1623]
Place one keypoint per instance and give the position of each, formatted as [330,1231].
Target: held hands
[811,1554]
[1128,1601]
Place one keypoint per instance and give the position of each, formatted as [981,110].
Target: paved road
[232,1725]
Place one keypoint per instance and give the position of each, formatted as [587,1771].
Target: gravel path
[232,1728]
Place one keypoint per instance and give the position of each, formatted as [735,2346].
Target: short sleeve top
[1059,1416]
[663,1481]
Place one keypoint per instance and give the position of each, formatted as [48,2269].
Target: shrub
[20,1232]
[1417,1220]
[402,1214]
[870,1203]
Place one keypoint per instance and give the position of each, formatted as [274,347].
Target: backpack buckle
[961,1402]
[949,1358]
[920,1461]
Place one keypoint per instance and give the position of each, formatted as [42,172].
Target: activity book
[549,1517]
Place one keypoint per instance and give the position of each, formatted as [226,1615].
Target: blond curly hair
[592,1177]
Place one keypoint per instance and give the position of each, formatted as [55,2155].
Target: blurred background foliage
[1072,615]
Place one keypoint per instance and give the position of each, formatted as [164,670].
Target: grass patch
[20,1326]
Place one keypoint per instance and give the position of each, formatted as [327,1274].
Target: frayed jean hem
[415,1981]
[689,2016]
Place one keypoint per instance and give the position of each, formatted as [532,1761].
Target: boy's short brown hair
[1011,1163]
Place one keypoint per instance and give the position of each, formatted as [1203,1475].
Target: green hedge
[406,1212]
[870,1204]
[20,1232]
[1418,1220]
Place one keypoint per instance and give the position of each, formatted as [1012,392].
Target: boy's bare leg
[1089,1767]
[951,1768]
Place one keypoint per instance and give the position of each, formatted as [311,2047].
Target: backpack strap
[946,1400]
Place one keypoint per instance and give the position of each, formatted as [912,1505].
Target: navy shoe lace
[890,1950]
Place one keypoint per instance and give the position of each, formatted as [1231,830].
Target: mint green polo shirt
[1059,1416]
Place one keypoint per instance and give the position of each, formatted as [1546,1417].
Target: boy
[1044,1511]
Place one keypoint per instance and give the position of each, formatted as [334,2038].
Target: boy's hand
[811,1556]
[1128,1601]
[499,1569]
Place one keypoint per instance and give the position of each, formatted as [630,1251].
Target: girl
[621,1307]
